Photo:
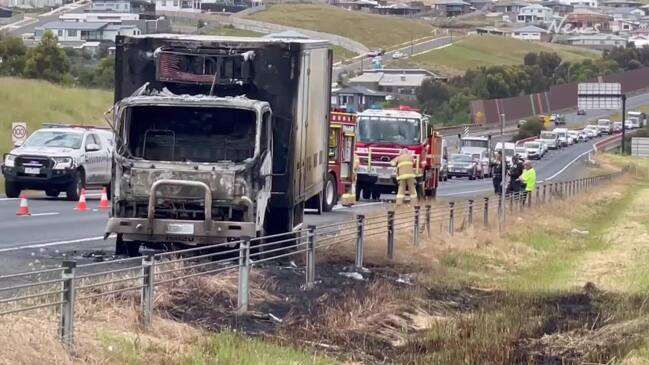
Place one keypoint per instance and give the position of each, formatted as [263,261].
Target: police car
[60,158]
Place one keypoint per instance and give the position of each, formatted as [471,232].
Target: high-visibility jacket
[404,163]
[529,178]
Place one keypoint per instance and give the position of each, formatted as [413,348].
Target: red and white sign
[18,133]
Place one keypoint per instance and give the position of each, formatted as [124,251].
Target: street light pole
[503,163]
[623,124]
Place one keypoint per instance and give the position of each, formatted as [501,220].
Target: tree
[530,129]
[12,55]
[48,61]
[105,75]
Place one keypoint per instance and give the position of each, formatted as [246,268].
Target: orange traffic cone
[82,201]
[103,201]
[23,209]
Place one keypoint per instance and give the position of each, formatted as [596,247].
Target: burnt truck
[216,138]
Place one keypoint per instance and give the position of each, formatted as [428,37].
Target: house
[585,20]
[398,9]
[621,4]
[509,6]
[639,41]
[535,14]
[402,83]
[450,8]
[531,33]
[85,31]
[119,6]
[357,98]
[357,5]
[492,31]
[557,7]
[597,41]
[580,3]
[191,6]
[114,18]
[624,26]
[35,4]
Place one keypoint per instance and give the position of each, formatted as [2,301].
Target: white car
[562,134]
[534,150]
[628,124]
[617,126]
[521,151]
[397,55]
[544,146]
[60,159]
[574,136]
[550,139]
[594,129]
[605,125]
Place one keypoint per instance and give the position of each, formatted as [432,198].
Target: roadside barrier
[64,287]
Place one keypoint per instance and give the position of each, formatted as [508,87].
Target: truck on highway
[637,119]
[605,126]
[381,135]
[60,158]
[550,139]
[478,147]
[217,138]
[562,134]
[510,150]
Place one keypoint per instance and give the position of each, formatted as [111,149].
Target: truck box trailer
[217,137]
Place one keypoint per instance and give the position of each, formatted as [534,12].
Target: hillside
[371,30]
[36,102]
[478,51]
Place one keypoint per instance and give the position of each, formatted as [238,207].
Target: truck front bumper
[164,230]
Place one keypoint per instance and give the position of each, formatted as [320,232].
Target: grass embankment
[370,30]
[36,102]
[476,51]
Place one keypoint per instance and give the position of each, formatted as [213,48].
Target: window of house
[176,3]
[72,32]
[164,2]
[60,32]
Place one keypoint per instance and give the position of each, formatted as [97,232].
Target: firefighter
[405,175]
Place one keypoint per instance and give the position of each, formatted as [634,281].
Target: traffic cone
[23,208]
[103,201]
[82,201]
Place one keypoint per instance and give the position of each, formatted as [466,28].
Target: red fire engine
[381,134]
[342,137]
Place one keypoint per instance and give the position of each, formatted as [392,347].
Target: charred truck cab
[217,138]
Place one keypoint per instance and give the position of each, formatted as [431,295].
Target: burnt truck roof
[225,39]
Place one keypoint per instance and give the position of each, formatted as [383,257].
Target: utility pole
[623,96]
[503,163]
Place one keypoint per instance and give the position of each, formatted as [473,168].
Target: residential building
[586,20]
[599,41]
[357,5]
[398,9]
[118,6]
[402,83]
[580,3]
[621,4]
[558,8]
[509,6]
[535,14]
[492,31]
[624,26]
[114,18]
[193,6]
[356,98]
[85,31]
[639,41]
[35,4]
[531,33]
[450,8]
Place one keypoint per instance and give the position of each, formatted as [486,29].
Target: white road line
[50,244]
[7,199]
[44,214]
[568,165]
[442,195]
[357,205]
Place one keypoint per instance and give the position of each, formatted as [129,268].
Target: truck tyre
[52,193]
[74,189]
[12,190]
[330,194]
[127,248]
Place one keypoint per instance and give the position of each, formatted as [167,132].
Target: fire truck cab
[341,178]
[380,137]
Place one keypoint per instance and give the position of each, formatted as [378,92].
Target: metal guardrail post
[451,218]
[538,195]
[470,212]
[500,206]
[148,275]
[486,212]
[67,305]
[244,272]
[310,257]
[391,235]
[360,221]
[511,202]
[428,219]
[544,193]
[415,232]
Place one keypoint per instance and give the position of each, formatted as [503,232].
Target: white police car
[60,158]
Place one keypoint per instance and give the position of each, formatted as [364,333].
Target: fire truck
[341,179]
[381,135]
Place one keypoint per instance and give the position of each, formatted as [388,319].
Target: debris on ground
[352,275]
[580,232]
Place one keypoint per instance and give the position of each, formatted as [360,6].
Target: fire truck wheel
[330,194]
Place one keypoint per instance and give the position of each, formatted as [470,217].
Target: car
[550,139]
[583,135]
[534,150]
[521,151]
[375,53]
[605,126]
[544,146]
[628,124]
[443,172]
[562,134]
[398,54]
[617,127]
[463,166]
[581,112]
[595,129]
[574,136]
[60,158]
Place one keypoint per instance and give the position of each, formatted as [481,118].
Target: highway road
[55,230]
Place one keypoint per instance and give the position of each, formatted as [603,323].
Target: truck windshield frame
[190,133]
[548,135]
[396,130]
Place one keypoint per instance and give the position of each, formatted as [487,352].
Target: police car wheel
[74,189]
[52,193]
[12,190]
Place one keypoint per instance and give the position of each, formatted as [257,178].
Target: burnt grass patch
[388,317]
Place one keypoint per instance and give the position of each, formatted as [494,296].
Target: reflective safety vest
[529,178]
[404,163]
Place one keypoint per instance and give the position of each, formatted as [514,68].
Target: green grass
[371,30]
[226,348]
[341,53]
[478,51]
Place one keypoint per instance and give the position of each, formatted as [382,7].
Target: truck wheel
[126,248]
[74,189]
[52,193]
[330,194]
[12,190]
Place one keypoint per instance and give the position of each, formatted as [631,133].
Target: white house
[580,3]
[117,18]
[639,40]
[535,14]
[530,33]
[30,4]
[85,31]
[193,6]
[597,41]
[118,6]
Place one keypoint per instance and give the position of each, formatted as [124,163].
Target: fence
[63,287]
